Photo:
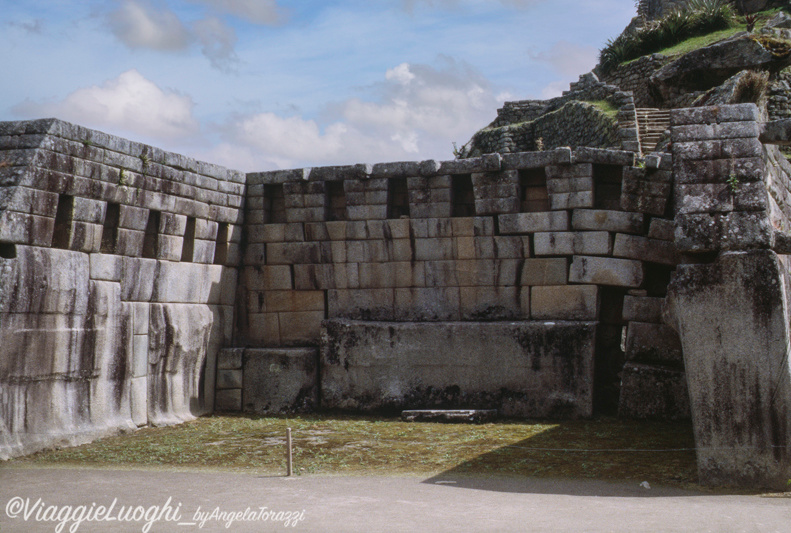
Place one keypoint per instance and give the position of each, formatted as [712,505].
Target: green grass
[606,107]
[693,43]
[603,448]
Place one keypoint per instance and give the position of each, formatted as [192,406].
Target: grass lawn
[605,448]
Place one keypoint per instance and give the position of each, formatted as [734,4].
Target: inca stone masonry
[140,287]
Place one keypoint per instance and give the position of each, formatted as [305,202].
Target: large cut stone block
[564,302]
[606,271]
[645,249]
[534,222]
[520,368]
[280,380]
[602,220]
[653,392]
[44,280]
[545,271]
[573,242]
[178,350]
[642,309]
[647,342]
[732,317]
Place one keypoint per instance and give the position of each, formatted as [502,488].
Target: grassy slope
[693,43]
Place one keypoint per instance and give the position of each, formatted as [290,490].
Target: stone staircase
[651,124]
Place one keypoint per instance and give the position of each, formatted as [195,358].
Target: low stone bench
[449,415]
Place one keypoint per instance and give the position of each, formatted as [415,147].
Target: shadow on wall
[654,452]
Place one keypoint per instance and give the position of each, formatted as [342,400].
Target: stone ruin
[141,287]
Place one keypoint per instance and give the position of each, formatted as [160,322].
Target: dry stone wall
[117,283]
[573,119]
[634,76]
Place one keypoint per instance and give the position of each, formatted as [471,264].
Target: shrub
[697,17]
[751,88]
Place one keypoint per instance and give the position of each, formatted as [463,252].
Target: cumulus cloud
[128,103]
[140,25]
[265,12]
[415,112]
[568,59]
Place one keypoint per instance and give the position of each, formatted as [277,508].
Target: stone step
[449,415]
[651,126]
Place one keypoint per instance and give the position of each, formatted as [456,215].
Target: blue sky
[266,84]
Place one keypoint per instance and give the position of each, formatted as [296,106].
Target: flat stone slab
[449,415]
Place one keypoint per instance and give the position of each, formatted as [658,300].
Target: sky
[259,85]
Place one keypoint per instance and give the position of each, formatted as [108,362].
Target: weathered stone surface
[538,369]
[43,280]
[228,400]
[178,351]
[657,343]
[545,271]
[606,271]
[645,249]
[714,114]
[570,243]
[652,392]
[642,309]
[776,132]
[519,160]
[280,380]
[571,200]
[661,229]
[602,220]
[601,156]
[727,130]
[534,222]
[734,332]
[564,302]
[106,267]
[68,360]
[713,64]
[229,379]
[697,233]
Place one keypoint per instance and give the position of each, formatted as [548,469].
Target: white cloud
[264,12]
[415,113]
[217,43]
[128,103]
[568,59]
[140,25]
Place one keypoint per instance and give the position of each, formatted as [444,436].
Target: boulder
[711,65]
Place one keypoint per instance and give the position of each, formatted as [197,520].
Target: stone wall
[633,76]
[552,283]
[117,283]
[729,300]
[525,238]
[572,119]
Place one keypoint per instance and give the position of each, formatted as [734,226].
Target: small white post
[289,456]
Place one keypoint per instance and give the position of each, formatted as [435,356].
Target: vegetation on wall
[695,18]
[751,88]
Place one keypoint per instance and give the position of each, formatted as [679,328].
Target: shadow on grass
[608,458]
